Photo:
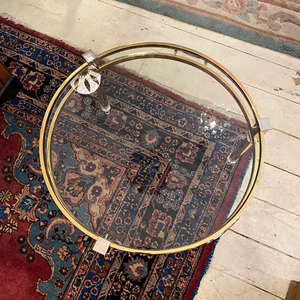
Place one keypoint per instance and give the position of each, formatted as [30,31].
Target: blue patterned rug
[149,173]
[42,254]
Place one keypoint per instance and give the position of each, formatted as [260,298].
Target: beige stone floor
[260,254]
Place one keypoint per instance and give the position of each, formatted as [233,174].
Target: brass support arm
[264,125]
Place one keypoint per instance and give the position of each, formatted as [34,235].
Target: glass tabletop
[153,147]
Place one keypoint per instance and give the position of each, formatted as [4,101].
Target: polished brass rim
[257,142]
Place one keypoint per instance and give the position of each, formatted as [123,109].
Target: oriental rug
[42,254]
[271,24]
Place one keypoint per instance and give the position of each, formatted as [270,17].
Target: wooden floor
[258,257]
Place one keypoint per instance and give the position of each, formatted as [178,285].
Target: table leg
[241,148]
[104,103]
[264,124]
[293,291]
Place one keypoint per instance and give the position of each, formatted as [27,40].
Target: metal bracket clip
[89,56]
[101,246]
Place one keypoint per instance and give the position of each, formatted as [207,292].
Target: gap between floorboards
[262,244]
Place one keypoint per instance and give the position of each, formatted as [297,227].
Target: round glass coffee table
[154,148]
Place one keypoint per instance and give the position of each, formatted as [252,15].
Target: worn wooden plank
[217,285]
[272,226]
[280,188]
[282,151]
[256,264]
[284,114]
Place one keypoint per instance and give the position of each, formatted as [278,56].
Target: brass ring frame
[257,141]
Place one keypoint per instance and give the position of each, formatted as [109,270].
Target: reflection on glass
[142,152]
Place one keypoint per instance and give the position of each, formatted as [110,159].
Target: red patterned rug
[42,254]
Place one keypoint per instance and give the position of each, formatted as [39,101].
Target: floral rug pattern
[151,174]
[42,254]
